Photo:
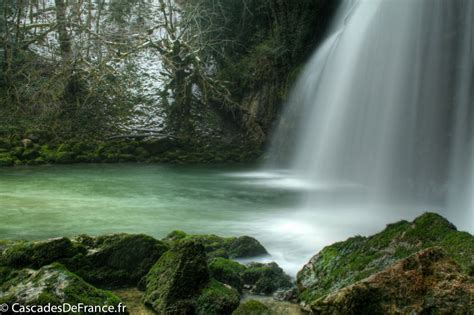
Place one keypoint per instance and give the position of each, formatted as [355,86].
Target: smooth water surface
[53,201]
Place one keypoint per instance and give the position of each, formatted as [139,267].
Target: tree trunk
[64,40]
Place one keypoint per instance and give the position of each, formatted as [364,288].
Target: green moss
[36,254]
[245,246]
[176,235]
[53,284]
[6,273]
[227,271]
[175,281]
[217,246]
[344,263]
[116,260]
[252,307]
[265,278]
[217,299]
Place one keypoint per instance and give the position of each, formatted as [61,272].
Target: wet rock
[52,284]
[227,247]
[108,261]
[428,282]
[245,246]
[37,254]
[290,295]
[227,271]
[180,283]
[175,281]
[265,278]
[116,260]
[344,263]
[217,299]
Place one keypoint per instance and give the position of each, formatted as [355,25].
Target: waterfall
[383,113]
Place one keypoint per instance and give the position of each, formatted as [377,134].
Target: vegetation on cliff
[206,73]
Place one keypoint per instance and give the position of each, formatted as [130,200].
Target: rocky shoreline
[420,267]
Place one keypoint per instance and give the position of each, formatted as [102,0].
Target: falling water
[383,113]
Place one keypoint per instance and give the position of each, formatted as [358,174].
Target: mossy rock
[265,278]
[227,247]
[217,299]
[37,254]
[252,307]
[116,260]
[227,271]
[347,262]
[53,284]
[245,246]
[175,281]
[427,282]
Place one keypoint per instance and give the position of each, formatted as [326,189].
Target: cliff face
[272,62]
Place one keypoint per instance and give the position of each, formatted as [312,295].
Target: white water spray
[383,113]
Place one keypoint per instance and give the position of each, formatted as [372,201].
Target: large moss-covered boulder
[217,299]
[265,278]
[37,254]
[53,284]
[175,281]
[428,282]
[344,263]
[180,283]
[228,247]
[116,260]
